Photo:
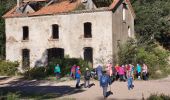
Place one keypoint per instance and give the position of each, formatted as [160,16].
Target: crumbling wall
[71,36]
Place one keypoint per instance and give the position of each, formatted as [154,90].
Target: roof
[63,6]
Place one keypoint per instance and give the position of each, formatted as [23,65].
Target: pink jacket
[121,71]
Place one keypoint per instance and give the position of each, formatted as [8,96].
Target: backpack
[104,80]
[87,75]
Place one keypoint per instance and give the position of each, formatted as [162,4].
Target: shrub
[9,96]
[155,57]
[8,68]
[65,65]
[158,97]
[35,73]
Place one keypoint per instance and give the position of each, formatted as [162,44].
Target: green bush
[155,57]
[8,68]
[9,96]
[158,97]
[35,73]
[65,65]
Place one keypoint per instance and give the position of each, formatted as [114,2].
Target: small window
[87,30]
[25,33]
[129,31]
[124,11]
[55,31]
[25,58]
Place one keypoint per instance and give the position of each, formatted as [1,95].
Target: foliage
[35,73]
[10,96]
[155,57]
[65,65]
[152,20]
[5,5]
[8,68]
[159,97]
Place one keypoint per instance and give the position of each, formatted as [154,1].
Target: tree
[153,21]
[5,5]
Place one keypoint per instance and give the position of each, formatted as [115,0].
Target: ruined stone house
[39,30]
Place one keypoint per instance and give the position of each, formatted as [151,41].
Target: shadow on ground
[40,91]
[31,89]
[3,77]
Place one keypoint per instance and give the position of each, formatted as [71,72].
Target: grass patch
[158,97]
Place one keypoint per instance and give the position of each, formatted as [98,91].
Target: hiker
[87,76]
[121,73]
[77,76]
[117,71]
[144,72]
[138,71]
[109,69]
[130,78]
[132,70]
[73,70]
[57,71]
[99,71]
[104,82]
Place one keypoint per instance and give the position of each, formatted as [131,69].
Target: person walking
[121,73]
[104,83]
[130,78]
[57,71]
[77,76]
[117,71]
[109,69]
[99,71]
[132,71]
[73,70]
[87,76]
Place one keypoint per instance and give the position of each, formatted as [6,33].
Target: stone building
[38,30]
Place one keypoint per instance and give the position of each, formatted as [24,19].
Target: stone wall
[71,36]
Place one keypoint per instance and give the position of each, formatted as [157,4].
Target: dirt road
[67,89]
[141,90]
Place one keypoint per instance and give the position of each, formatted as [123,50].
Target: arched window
[55,31]
[87,30]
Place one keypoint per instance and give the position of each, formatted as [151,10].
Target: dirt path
[141,90]
[120,91]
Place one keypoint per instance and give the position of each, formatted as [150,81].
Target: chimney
[18,2]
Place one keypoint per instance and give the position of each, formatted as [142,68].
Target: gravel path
[65,89]
[141,90]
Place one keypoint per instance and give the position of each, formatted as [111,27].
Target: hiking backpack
[88,74]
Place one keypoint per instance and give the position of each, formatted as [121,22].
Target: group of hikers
[107,75]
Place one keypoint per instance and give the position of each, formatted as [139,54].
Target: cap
[87,69]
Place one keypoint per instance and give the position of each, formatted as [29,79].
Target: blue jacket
[78,73]
[99,69]
[108,80]
[138,68]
